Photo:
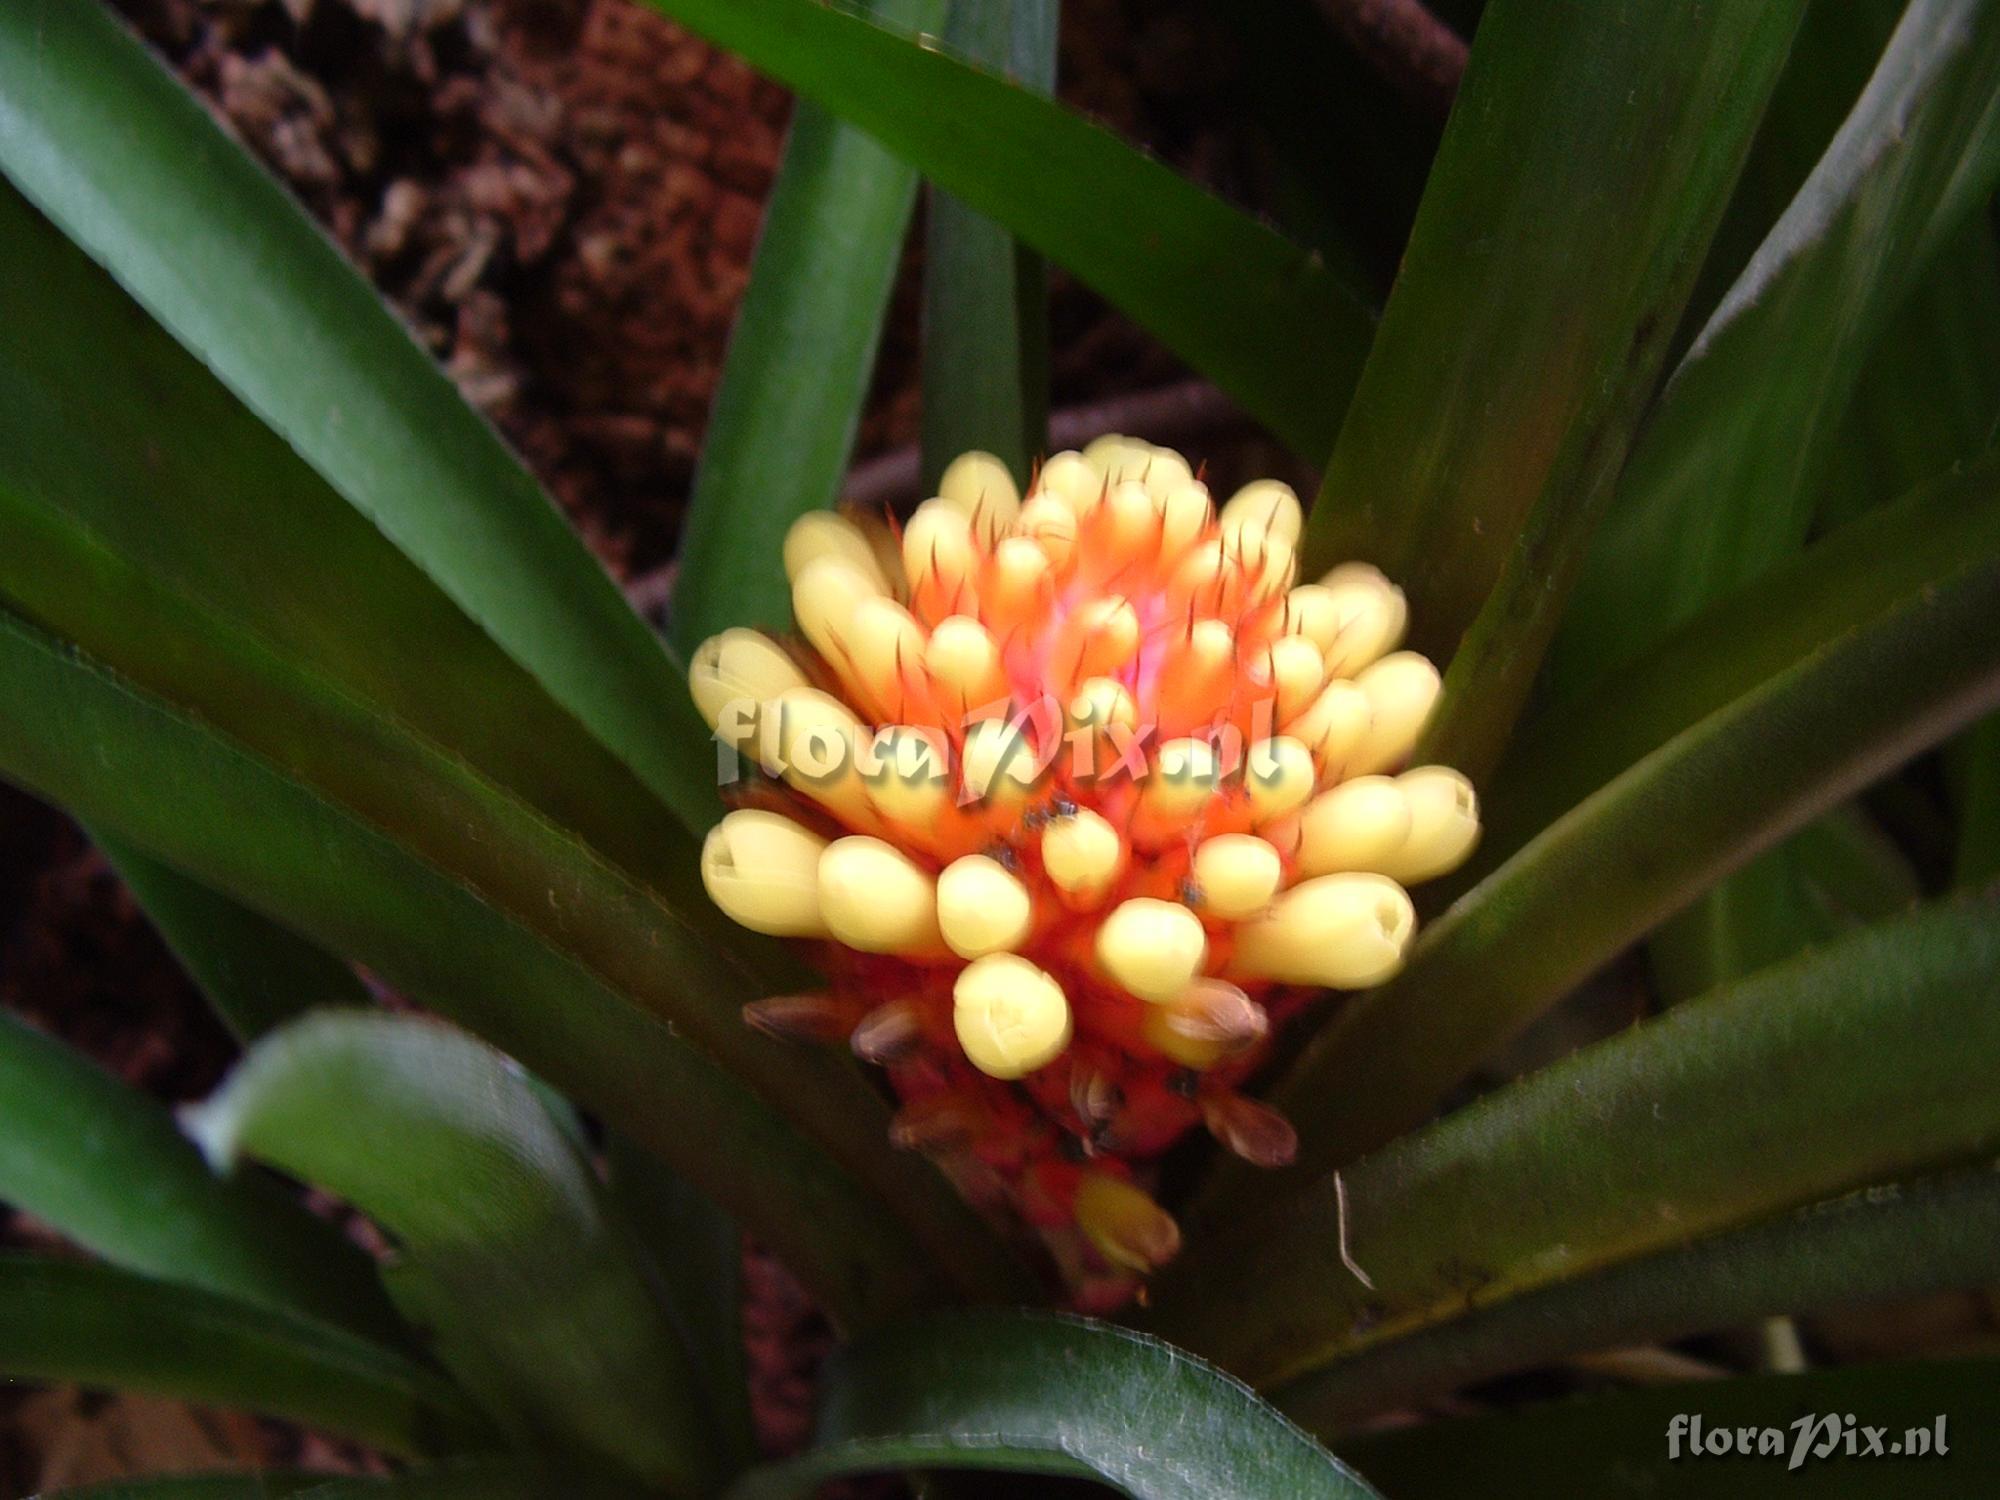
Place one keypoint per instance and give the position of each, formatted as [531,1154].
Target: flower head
[1081,792]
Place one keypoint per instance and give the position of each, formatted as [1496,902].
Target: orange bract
[1086,788]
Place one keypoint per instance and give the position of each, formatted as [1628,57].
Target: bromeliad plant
[333,686]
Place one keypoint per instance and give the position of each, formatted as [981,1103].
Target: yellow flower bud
[1209,580]
[1402,690]
[821,533]
[763,871]
[876,898]
[1165,471]
[964,660]
[979,484]
[1132,519]
[1128,1228]
[1099,703]
[1185,775]
[1295,671]
[998,765]
[1237,875]
[1279,776]
[885,652]
[1011,1017]
[824,598]
[1343,932]
[982,907]
[1337,721]
[908,776]
[938,554]
[1018,578]
[1184,516]
[1357,825]
[1098,638]
[1369,615]
[1117,458]
[1269,567]
[1050,523]
[1313,611]
[1072,480]
[1083,854]
[1152,948]
[814,740]
[1266,507]
[735,669]
[1444,824]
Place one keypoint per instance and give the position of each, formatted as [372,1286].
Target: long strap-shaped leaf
[1640,848]
[174,786]
[255,973]
[135,170]
[1892,554]
[985,312]
[1720,488]
[97,1326]
[261,1486]
[504,1241]
[1880,1243]
[1247,307]
[693,1252]
[1588,158]
[1039,1394]
[1945,1414]
[1866,1060]
[105,419]
[88,457]
[473,1479]
[781,431]
[106,1167]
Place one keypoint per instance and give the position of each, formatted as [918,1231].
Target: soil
[562,198]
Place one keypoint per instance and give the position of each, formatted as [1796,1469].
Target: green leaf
[528,1284]
[1615,1446]
[1831,876]
[136,171]
[98,1326]
[476,1479]
[1929,398]
[1802,607]
[244,825]
[694,1254]
[255,973]
[782,428]
[1041,1394]
[1979,821]
[1849,708]
[1588,159]
[223,603]
[985,314]
[1884,1242]
[1724,482]
[1254,312]
[106,1166]
[1868,1059]
[158,463]
[261,1486]
[245,614]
